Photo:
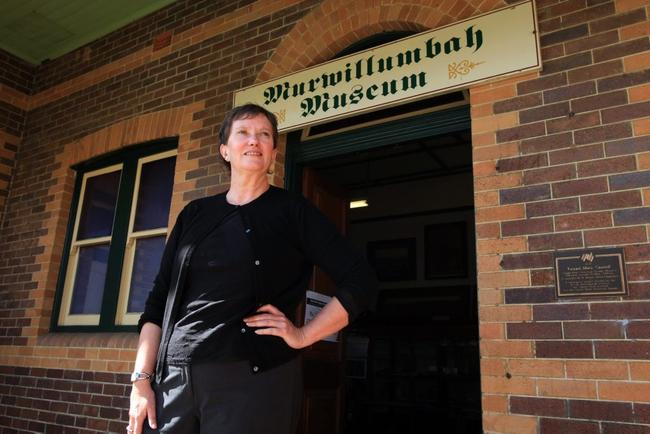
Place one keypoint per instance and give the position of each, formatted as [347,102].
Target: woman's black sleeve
[154,307]
[356,282]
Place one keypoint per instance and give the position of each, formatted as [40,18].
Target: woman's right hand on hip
[143,405]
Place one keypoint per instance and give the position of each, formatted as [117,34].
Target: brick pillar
[561,162]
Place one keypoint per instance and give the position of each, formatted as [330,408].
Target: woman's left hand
[269,320]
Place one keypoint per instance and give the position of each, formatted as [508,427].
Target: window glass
[98,209]
[148,253]
[89,280]
[155,194]
[122,208]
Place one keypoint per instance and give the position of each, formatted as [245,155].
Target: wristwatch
[140,376]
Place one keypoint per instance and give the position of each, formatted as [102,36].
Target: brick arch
[173,122]
[336,24]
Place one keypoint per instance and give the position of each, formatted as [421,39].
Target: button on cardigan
[218,292]
[287,235]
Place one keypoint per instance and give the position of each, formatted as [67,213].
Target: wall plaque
[590,272]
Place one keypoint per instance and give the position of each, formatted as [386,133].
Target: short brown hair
[242,112]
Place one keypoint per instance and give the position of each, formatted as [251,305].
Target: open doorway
[412,366]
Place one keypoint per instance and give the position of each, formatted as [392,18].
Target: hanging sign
[433,62]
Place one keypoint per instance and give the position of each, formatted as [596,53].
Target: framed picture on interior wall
[445,250]
[393,260]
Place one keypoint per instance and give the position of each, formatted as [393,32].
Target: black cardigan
[288,236]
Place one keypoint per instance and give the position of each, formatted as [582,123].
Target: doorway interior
[412,365]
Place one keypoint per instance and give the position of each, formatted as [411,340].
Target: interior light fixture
[361,203]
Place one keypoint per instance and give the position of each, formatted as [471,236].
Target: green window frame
[107,262]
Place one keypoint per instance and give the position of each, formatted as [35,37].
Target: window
[116,238]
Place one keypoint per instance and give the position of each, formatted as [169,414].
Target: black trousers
[227,398]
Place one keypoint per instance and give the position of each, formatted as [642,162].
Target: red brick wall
[175,18]
[12,119]
[561,162]
[40,400]
[16,73]
[16,78]
[131,94]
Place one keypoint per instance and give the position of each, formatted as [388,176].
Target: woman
[218,341]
